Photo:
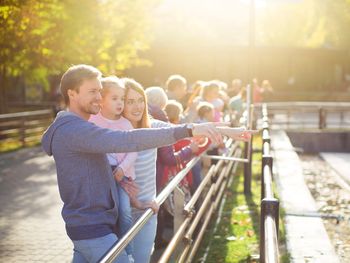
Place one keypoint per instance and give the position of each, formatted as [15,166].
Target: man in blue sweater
[85,179]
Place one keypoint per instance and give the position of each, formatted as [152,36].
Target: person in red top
[257,92]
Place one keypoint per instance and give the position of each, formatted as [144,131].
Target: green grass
[240,221]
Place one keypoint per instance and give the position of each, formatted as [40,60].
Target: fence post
[248,167]
[179,216]
[179,201]
[321,118]
[248,150]
[22,132]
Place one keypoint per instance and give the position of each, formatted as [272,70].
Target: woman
[135,110]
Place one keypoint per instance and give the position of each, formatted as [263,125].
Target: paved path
[31,227]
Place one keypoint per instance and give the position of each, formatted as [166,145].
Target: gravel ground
[331,199]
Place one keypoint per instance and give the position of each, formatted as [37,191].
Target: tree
[308,23]
[43,38]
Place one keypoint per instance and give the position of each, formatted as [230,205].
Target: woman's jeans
[124,216]
[91,250]
[144,240]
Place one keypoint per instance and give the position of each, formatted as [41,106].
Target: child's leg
[124,218]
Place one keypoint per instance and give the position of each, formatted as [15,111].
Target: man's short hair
[175,81]
[75,76]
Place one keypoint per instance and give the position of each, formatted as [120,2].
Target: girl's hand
[118,174]
[130,187]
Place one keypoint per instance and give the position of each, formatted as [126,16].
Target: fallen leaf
[231,238]
[250,233]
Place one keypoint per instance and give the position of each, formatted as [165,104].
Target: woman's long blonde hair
[134,85]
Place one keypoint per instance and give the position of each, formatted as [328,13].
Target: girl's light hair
[156,96]
[131,84]
[109,83]
[173,109]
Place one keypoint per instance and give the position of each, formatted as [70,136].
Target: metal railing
[216,179]
[269,216]
[316,115]
[184,243]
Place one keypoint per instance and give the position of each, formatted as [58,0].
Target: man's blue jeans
[91,250]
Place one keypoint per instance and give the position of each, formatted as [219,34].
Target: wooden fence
[24,127]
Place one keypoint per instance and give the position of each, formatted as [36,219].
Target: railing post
[269,207]
[22,132]
[248,167]
[179,201]
[179,215]
[248,150]
[321,118]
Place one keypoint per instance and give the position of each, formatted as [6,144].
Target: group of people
[116,146]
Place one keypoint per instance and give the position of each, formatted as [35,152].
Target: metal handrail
[123,242]
[269,205]
[306,104]
[191,248]
[203,210]
[267,182]
[271,242]
[113,253]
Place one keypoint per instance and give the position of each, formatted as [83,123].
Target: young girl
[211,94]
[110,117]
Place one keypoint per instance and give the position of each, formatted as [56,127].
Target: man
[176,87]
[85,180]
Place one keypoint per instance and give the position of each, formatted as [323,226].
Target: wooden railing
[24,127]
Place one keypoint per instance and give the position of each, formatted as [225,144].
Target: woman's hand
[142,206]
[208,129]
[240,134]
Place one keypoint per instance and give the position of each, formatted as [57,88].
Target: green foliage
[42,38]
[308,23]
